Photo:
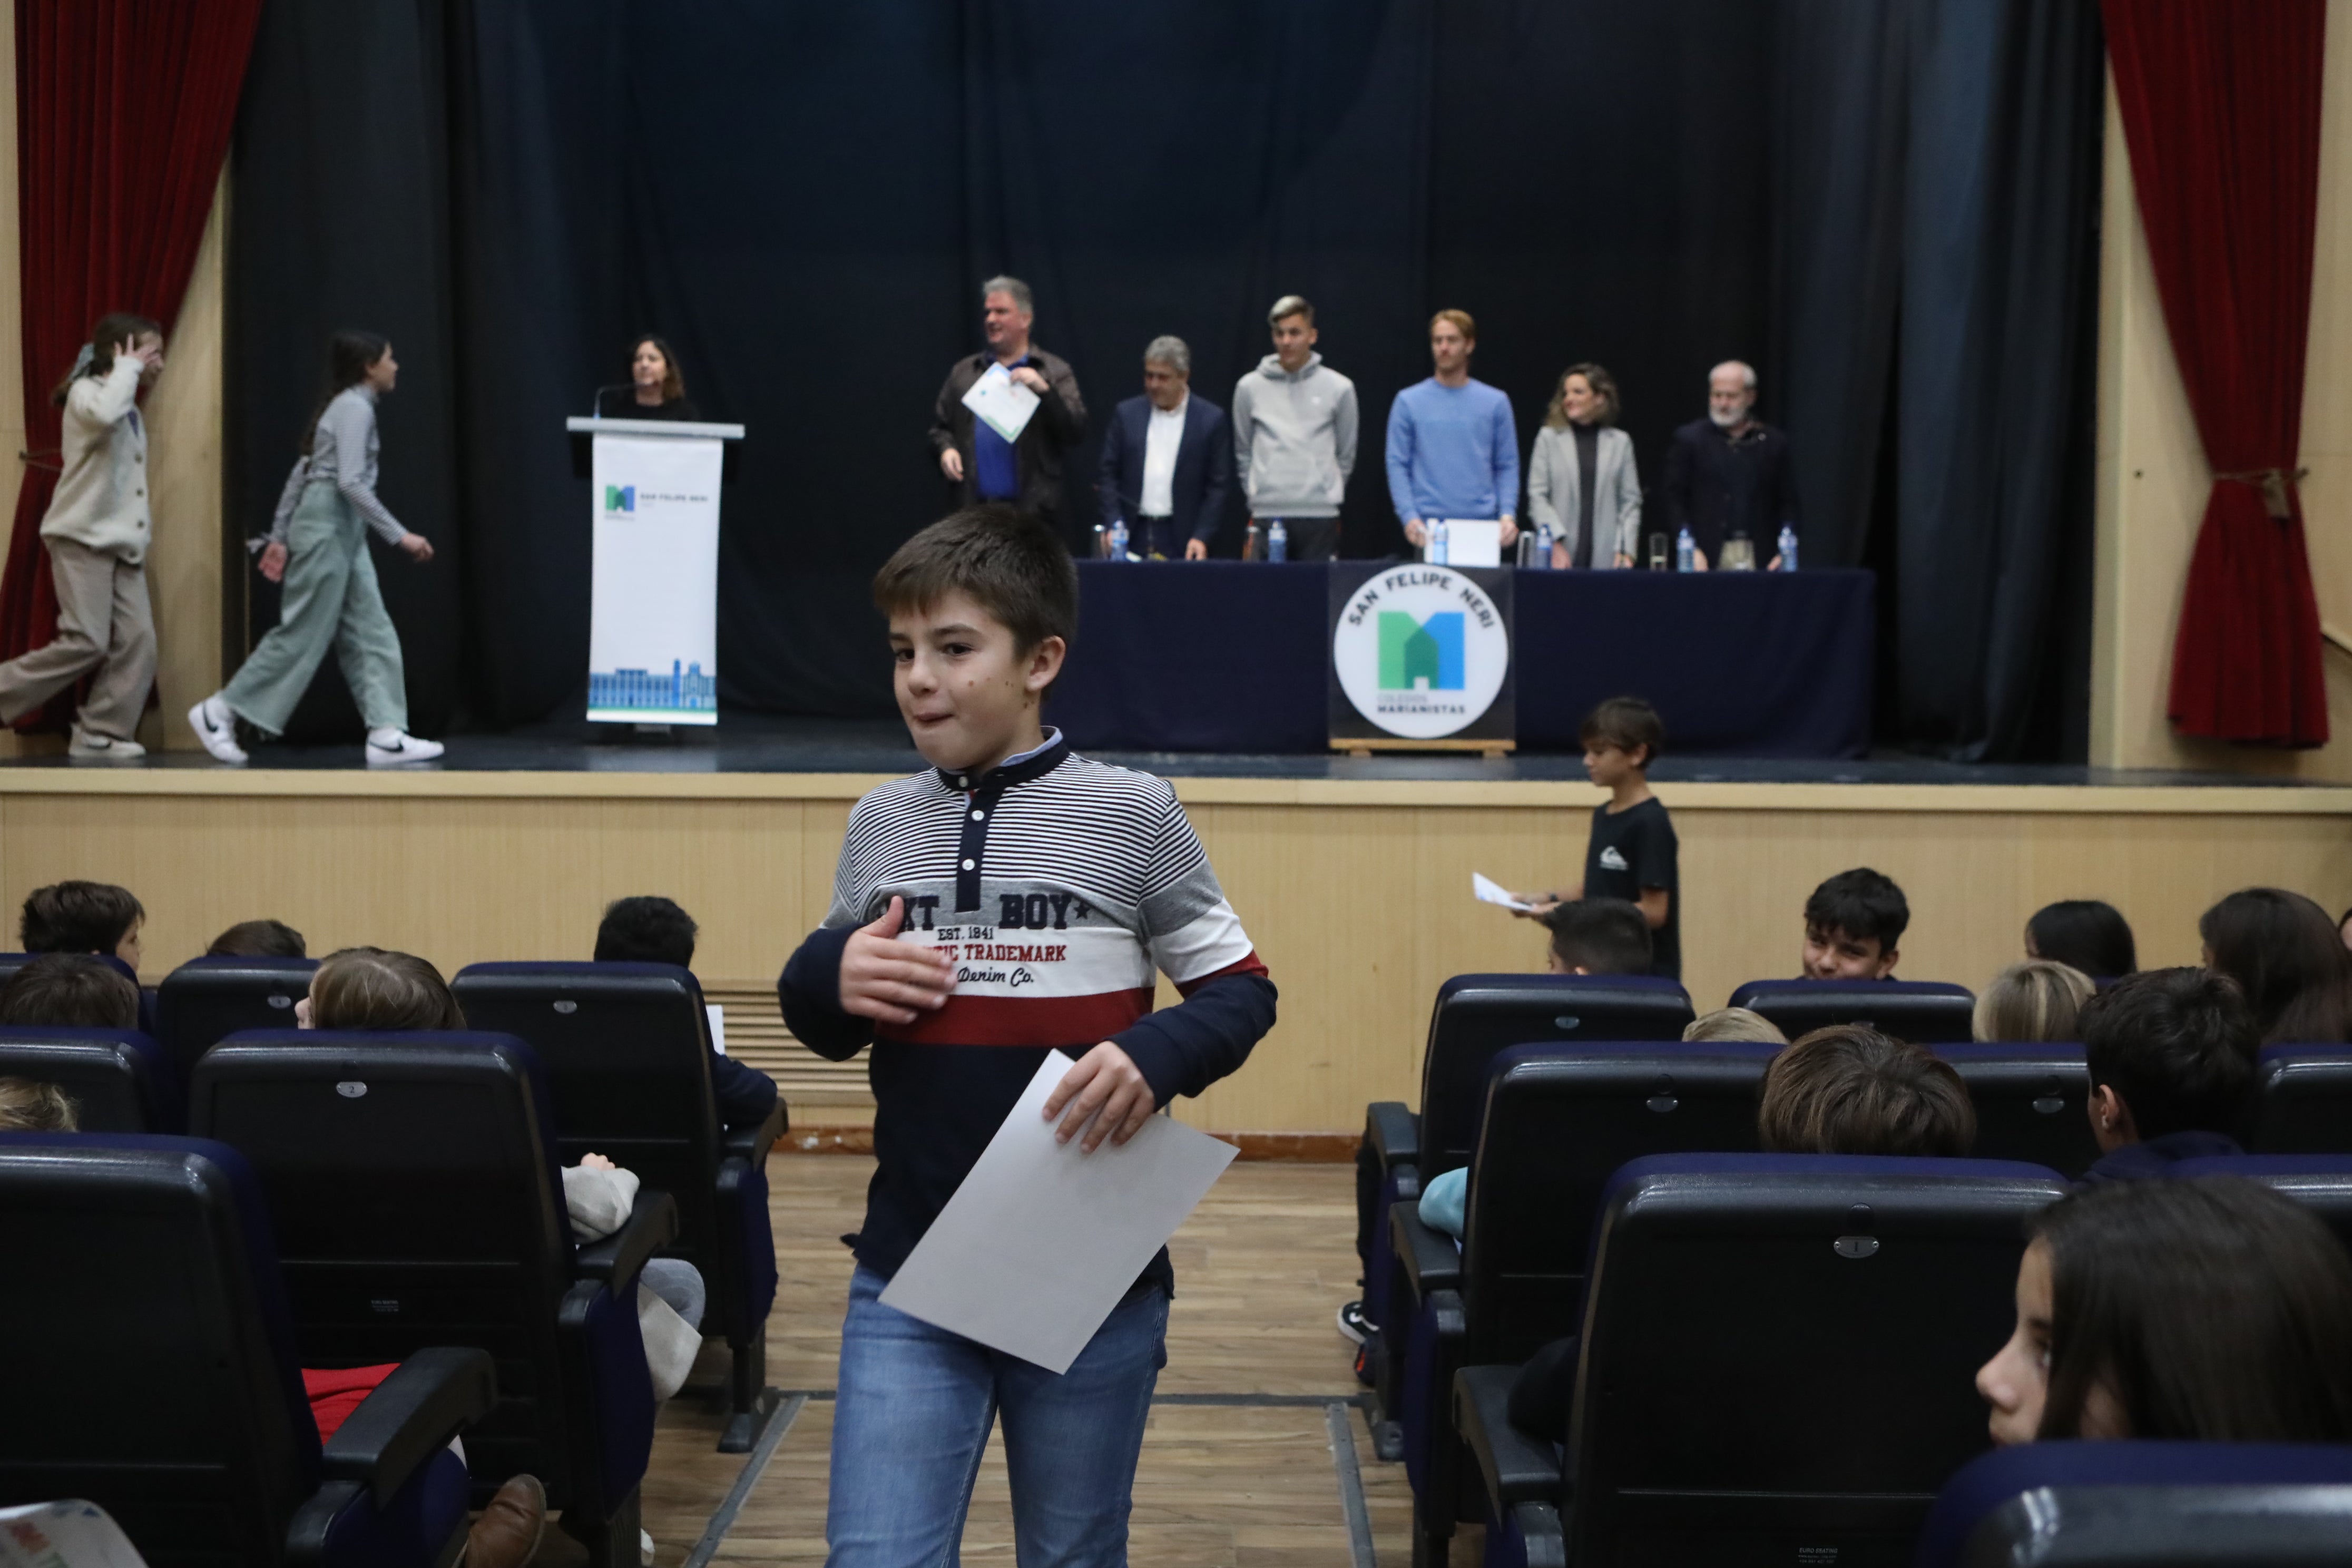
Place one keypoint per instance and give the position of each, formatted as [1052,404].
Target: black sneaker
[1353,1324]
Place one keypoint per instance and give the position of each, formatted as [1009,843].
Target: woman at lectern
[656,389]
[317,547]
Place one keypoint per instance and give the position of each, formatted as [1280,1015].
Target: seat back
[1477,1017]
[144,1347]
[1924,1012]
[2031,1103]
[416,1199]
[2321,1182]
[2145,1504]
[205,1000]
[118,1079]
[1779,1352]
[2303,1100]
[1558,1123]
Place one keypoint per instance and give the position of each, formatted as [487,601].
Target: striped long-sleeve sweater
[1058,886]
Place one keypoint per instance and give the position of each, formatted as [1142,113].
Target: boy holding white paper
[1013,900]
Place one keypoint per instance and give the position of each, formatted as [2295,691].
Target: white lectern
[652,624]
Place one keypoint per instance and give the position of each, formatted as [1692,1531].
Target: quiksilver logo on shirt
[1613,861]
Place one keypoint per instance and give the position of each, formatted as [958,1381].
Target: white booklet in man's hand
[1043,1239]
[1001,403]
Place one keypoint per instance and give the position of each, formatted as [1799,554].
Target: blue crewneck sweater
[1453,451]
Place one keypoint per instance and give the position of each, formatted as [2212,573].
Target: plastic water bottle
[1278,541]
[1435,553]
[1788,547]
[1542,562]
[1119,539]
[1685,552]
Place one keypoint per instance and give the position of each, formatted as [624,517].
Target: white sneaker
[103,747]
[215,726]
[391,746]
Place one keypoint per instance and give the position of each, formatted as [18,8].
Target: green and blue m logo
[1420,654]
[620,498]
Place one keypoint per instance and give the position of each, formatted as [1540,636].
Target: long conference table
[1234,657]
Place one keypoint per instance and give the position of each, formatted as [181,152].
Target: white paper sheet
[1041,1240]
[1469,542]
[1492,892]
[718,1015]
[1001,403]
[71,1534]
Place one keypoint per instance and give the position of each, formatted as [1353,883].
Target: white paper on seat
[718,1017]
[1001,403]
[1041,1240]
[1470,542]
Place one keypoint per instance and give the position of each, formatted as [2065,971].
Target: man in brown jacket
[980,465]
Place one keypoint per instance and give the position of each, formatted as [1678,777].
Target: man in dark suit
[1168,460]
[980,465]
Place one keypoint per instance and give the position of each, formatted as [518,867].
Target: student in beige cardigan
[96,530]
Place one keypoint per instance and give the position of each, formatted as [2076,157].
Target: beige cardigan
[101,497]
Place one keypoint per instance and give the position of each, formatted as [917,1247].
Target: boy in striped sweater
[1011,900]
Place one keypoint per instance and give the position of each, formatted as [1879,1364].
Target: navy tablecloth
[1228,656]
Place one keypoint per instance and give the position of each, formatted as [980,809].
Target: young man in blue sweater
[1011,900]
[1453,447]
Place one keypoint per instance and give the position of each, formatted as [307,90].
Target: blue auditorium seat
[413,1181]
[2303,1100]
[2321,1182]
[205,1000]
[626,1050]
[2145,1505]
[149,1365]
[119,1079]
[2031,1103]
[1924,1012]
[1558,1123]
[1777,1361]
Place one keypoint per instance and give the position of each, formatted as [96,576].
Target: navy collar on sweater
[2139,1162]
[1014,769]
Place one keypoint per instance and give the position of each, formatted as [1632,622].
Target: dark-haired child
[649,928]
[1061,884]
[1632,853]
[1853,926]
[83,917]
[258,938]
[70,990]
[2171,1054]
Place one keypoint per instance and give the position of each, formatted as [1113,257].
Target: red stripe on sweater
[1023,1021]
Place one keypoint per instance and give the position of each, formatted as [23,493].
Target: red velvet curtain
[2221,110]
[123,113]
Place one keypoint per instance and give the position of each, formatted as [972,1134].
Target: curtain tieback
[2274,483]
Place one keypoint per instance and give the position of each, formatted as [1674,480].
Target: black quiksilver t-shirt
[1632,850]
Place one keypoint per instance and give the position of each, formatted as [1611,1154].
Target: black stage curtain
[803,199]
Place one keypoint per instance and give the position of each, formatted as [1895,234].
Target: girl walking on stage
[318,546]
[96,530]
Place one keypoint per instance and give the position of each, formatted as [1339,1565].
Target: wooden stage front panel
[1357,893]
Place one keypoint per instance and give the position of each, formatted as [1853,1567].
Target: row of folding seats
[1775,1363]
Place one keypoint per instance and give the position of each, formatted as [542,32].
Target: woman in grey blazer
[1580,477]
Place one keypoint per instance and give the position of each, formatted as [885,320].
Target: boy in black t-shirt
[1632,853]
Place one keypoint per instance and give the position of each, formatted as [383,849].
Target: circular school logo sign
[1421,651]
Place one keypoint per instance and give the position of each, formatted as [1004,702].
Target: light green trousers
[331,597]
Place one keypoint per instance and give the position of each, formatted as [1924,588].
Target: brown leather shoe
[507,1534]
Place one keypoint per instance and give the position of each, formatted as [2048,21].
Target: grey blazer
[1552,493]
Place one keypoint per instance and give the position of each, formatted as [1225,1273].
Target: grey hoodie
[1294,438]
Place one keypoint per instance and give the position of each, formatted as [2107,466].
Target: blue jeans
[913,1418]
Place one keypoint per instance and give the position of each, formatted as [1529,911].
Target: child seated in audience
[2289,959]
[70,990]
[2086,933]
[83,917]
[2171,1054]
[2033,1001]
[1845,1090]
[1853,926]
[2207,1311]
[1631,851]
[1600,936]
[652,930]
[1734,1024]
[26,1106]
[258,938]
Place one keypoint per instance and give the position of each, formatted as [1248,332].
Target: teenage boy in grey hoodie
[1294,436]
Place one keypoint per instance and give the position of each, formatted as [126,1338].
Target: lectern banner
[653,627]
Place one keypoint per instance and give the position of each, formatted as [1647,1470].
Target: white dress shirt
[1161,439]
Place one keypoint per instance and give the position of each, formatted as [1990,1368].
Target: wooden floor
[1260,1270]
